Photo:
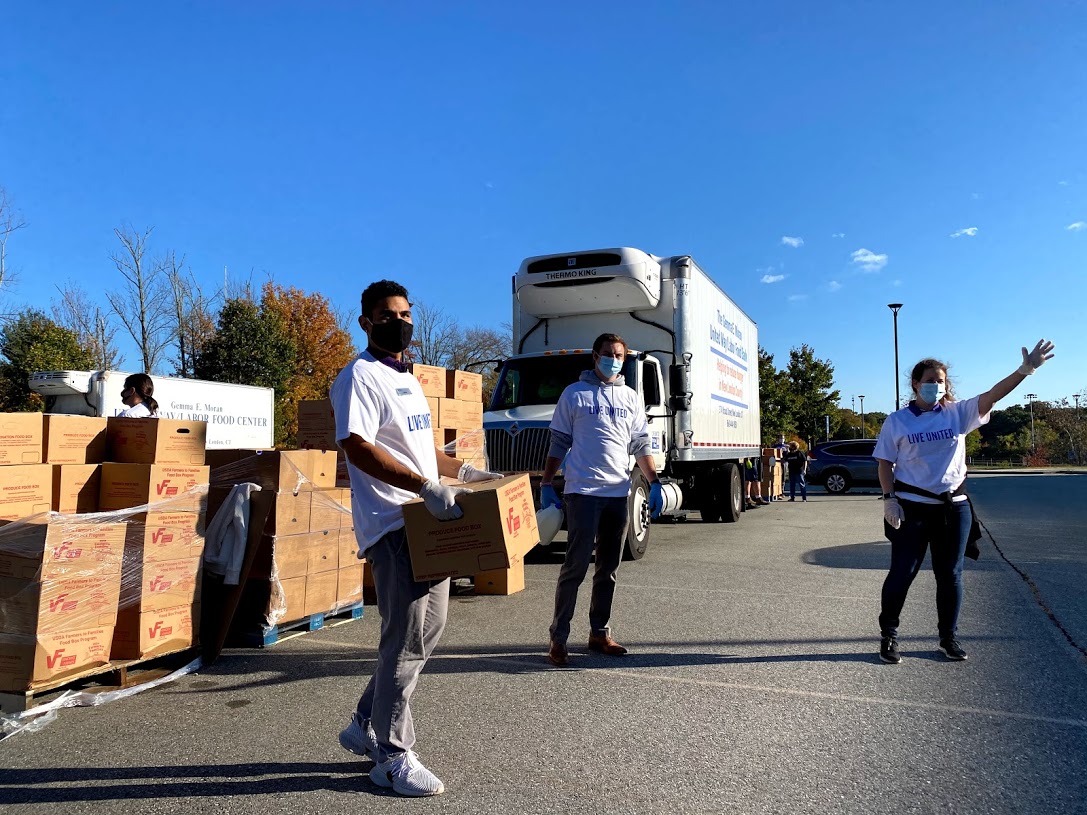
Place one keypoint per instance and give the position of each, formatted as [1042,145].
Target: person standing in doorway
[601,423]
[138,398]
[797,461]
[921,452]
[383,425]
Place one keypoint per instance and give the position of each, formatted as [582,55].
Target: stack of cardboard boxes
[306,560]
[79,590]
[772,473]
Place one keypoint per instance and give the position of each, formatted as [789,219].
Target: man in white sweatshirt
[600,423]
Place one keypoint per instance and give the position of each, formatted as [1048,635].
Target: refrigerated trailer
[238,416]
[693,359]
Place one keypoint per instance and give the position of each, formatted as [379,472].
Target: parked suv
[839,465]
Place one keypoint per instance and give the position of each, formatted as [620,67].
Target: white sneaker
[407,776]
[359,738]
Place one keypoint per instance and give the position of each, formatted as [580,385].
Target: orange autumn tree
[323,347]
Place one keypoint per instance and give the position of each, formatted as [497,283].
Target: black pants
[944,528]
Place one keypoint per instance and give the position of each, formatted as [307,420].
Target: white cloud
[838,235]
[869,261]
[976,196]
[969,232]
[834,285]
[1078,226]
[772,278]
[1062,183]
[795,297]
[897,283]
[796,243]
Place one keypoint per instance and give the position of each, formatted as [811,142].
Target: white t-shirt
[386,408]
[140,411]
[607,425]
[928,448]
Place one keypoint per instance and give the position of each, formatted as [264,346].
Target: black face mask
[393,336]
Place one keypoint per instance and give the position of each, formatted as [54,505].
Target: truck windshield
[541,380]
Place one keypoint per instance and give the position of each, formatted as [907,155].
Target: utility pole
[1031,397]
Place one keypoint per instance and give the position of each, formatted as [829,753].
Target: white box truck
[693,358]
[238,416]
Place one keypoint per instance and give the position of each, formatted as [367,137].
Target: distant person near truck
[753,484]
[383,425]
[600,423]
[797,462]
[137,396]
[922,469]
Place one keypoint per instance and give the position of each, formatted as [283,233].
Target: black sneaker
[951,650]
[888,651]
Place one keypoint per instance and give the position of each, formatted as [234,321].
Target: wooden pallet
[112,676]
[264,638]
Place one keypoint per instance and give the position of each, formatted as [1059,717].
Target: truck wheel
[637,518]
[731,494]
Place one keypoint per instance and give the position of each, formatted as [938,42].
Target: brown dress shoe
[606,645]
[557,654]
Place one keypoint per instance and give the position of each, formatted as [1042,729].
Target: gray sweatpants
[412,619]
[591,522]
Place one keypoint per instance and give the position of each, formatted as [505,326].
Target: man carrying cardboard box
[600,422]
[383,425]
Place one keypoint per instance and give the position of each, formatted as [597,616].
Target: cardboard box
[21,437]
[45,551]
[502,581]
[30,662]
[463,385]
[499,524]
[316,425]
[432,379]
[74,439]
[326,513]
[287,556]
[457,415]
[158,536]
[25,490]
[432,403]
[288,470]
[158,585]
[141,634]
[472,415]
[292,598]
[159,441]
[321,592]
[289,515]
[348,547]
[76,487]
[68,603]
[349,585]
[125,486]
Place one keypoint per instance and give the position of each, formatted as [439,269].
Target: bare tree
[92,326]
[434,336]
[192,321]
[143,305]
[10,223]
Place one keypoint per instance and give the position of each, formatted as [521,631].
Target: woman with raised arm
[922,469]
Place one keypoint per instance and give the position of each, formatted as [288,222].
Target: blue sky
[329,144]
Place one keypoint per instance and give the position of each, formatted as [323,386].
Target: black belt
[948,499]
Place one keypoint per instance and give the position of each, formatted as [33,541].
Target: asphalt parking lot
[753,685]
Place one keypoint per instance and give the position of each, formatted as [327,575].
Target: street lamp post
[894,307]
[1076,396]
[1031,397]
[861,397]
[853,401]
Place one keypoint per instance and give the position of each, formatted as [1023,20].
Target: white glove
[441,500]
[469,473]
[892,512]
[1036,359]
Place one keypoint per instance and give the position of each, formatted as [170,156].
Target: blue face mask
[932,392]
[609,366]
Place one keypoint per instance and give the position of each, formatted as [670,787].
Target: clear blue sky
[329,144]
